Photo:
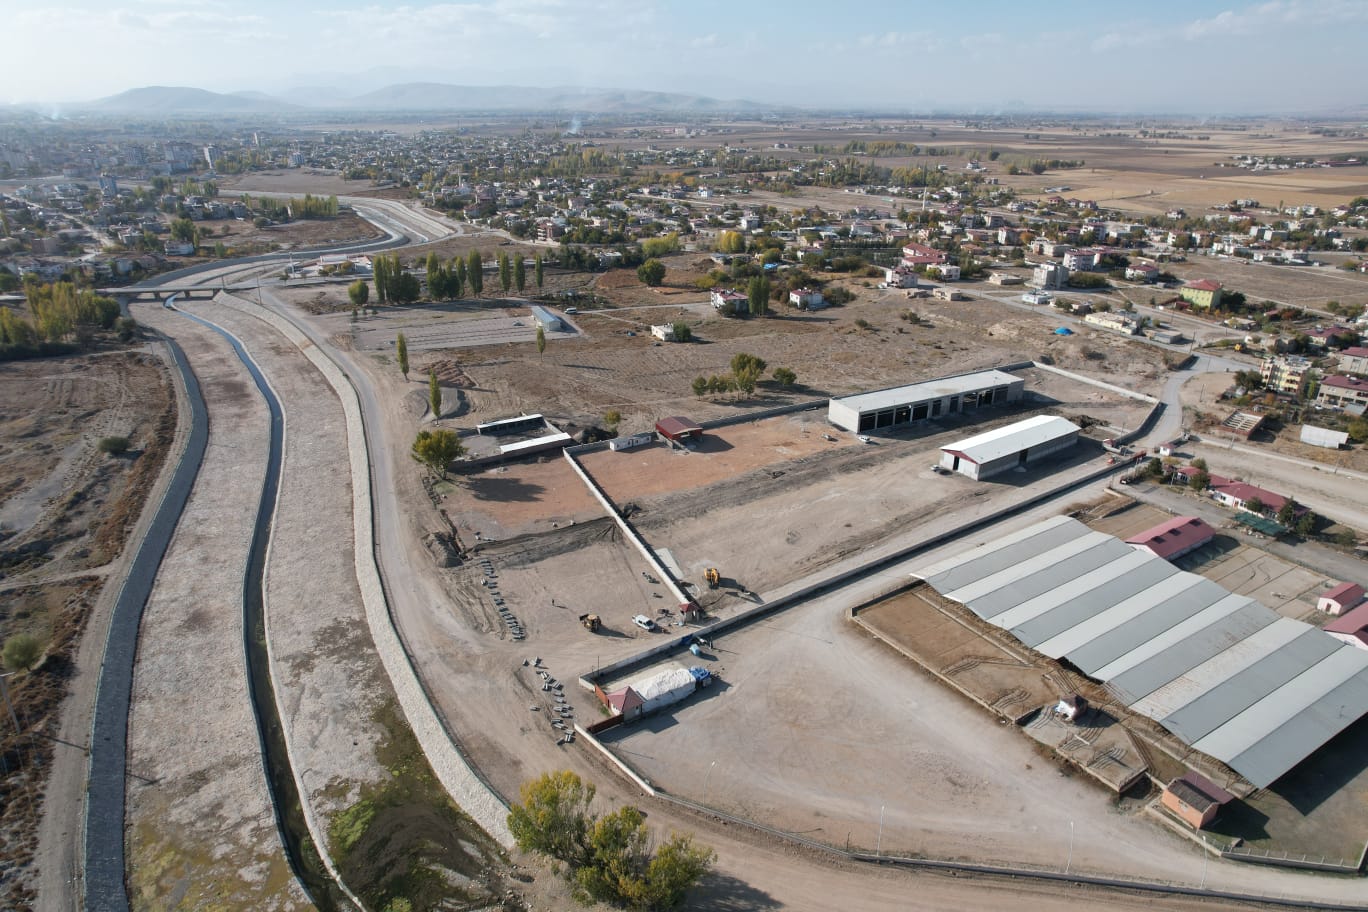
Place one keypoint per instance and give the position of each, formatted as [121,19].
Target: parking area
[459,325]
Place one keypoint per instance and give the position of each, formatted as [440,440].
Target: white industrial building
[1225,674]
[991,452]
[904,405]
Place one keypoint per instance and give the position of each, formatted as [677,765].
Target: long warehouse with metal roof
[1222,672]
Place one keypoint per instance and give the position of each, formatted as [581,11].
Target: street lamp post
[1069,862]
[706,777]
[878,846]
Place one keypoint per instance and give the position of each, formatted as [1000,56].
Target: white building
[948,272]
[989,453]
[904,405]
[807,299]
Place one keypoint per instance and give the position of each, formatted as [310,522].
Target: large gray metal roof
[931,389]
[1224,673]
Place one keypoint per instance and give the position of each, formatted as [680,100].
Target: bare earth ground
[200,828]
[1299,286]
[66,511]
[244,237]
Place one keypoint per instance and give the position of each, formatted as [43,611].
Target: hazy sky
[1196,55]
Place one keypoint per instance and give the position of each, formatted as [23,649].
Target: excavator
[713,577]
[590,622]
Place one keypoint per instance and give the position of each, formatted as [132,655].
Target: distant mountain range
[412,97]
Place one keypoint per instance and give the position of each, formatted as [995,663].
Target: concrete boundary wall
[457,776]
[626,770]
[1100,384]
[787,600]
[629,531]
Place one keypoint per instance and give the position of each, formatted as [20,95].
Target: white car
[644,622]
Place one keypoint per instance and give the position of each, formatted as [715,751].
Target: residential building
[900,277]
[920,255]
[807,299]
[664,332]
[1348,393]
[947,272]
[1142,272]
[1049,275]
[1239,495]
[1354,360]
[1203,293]
[1339,599]
[1082,260]
[1286,373]
[729,301]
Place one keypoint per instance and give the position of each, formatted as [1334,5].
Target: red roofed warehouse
[1340,599]
[1174,538]
[678,429]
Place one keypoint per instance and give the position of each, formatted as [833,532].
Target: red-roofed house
[1239,494]
[920,255]
[1351,628]
[1348,393]
[1174,538]
[1202,293]
[1340,599]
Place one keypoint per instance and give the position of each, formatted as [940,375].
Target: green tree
[651,272]
[1254,505]
[682,332]
[784,377]
[539,271]
[746,371]
[380,272]
[436,285]
[434,395]
[699,386]
[475,272]
[757,296]
[401,349]
[519,273]
[1199,480]
[406,289]
[554,817]
[611,419]
[505,273]
[1287,513]
[21,652]
[437,449]
[359,293]
[541,340]
[1306,525]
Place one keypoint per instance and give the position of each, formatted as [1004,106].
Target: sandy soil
[200,824]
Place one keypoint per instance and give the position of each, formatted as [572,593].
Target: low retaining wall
[1286,860]
[1100,384]
[457,775]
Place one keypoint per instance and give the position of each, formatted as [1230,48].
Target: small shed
[679,429]
[1340,599]
[625,702]
[1071,708]
[1195,799]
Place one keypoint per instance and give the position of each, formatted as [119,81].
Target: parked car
[644,622]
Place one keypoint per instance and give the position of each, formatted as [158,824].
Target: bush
[22,651]
[113,446]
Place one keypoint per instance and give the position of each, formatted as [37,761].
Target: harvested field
[1299,286]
